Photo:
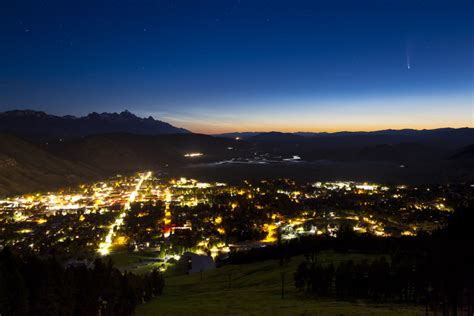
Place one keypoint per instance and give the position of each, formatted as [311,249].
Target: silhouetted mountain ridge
[39,125]
[276,136]
[42,151]
[441,137]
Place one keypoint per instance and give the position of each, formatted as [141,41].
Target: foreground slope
[255,289]
[25,167]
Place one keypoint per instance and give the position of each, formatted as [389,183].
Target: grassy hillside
[255,289]
[25,167]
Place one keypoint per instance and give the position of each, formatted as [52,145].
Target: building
[197,263]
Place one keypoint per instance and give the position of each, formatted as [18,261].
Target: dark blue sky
[215,66]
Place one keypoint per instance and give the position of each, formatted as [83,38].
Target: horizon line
[339,131]
[381,129]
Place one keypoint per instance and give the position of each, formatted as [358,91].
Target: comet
[408,61]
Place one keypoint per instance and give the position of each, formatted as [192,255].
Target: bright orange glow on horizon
[364,114]
[320,129]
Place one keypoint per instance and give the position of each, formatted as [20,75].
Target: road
[104,247]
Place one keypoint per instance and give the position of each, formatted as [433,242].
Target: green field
[255,289]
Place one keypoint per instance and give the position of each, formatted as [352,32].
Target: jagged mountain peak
[40,125]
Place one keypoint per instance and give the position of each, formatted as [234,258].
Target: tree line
[418,280]
[35,286]
[434,270]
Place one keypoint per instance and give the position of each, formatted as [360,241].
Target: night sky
[249,65]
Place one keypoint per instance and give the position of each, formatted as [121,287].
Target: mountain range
[448,136]
[39,151]
[38,125]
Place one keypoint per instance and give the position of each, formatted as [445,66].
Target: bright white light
[191,155]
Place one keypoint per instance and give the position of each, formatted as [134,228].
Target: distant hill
[38,125]
[24,167]
[42,151]
[442,137]
[129,153]
[275,137]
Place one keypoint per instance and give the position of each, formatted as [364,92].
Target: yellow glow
[296,221]
[24,231]
[121,240]
[379,233]
[41,221]
[203,243]
[104,247]
[214,252]
[271,230]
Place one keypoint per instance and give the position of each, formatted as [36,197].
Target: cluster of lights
[104,247]
[116,197]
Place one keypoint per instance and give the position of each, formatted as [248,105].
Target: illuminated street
[172,216]
[104,246]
